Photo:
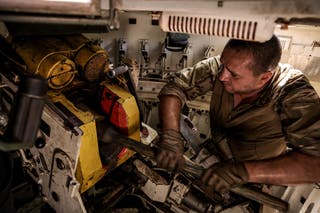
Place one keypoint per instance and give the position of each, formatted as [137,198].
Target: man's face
[236,75]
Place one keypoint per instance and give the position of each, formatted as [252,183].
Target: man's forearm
[169,112]
[291,168]
[170,146]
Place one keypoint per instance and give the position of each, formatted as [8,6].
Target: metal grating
[213,26]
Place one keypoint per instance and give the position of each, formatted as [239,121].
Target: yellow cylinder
[58,70]
[91,60]
[48,57]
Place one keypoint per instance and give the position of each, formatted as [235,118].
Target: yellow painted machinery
[60,58]
[68,158]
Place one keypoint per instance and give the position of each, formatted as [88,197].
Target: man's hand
[170,151]
[223,176]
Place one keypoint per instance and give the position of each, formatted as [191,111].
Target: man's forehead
[237,56]
[237,61]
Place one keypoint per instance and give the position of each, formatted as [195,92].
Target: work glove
[223,176]
[170,150]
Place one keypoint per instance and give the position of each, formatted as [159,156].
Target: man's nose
[224,75]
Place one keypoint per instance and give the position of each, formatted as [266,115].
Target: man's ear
[266,76]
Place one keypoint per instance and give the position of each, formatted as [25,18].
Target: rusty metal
[91,59]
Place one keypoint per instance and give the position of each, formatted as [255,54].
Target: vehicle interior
[79,100]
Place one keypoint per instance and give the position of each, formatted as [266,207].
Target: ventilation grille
[226,27]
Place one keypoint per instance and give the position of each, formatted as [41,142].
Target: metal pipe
[117,71]
[53,20]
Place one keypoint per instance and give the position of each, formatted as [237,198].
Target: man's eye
[233,74]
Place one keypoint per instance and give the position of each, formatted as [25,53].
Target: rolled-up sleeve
[300,116]
[192,82]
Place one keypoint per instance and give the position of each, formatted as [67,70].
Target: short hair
[266,55]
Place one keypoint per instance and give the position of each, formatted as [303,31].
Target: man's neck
[245,98]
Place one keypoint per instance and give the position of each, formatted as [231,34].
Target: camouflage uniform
[286,114]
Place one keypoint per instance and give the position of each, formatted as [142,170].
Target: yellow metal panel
[85,117]
[89,169]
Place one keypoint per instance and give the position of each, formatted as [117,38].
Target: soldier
[267,112]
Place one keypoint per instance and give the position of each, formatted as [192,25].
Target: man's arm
[170,152]
[169,112]
[291,168]
[186,84]
[300,117]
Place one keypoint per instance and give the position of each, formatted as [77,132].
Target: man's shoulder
[290,83]
[289,72]
[212,61]
[290,77]
[208,67]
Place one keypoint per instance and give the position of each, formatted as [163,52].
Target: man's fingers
[169,160]
[170,148]
[161,156]
[172,161]
[164,159]
[206,176]
[213,180]
[181,161]
[222,177]
[166,162]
